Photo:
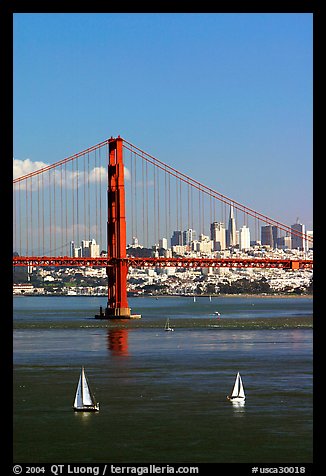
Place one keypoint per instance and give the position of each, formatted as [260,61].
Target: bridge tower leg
[117,305]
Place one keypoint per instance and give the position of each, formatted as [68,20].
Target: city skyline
[269,235]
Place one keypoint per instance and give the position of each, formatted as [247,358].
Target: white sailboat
[167,326]
[238,394]
[84,399]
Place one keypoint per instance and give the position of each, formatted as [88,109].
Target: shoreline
[160,296]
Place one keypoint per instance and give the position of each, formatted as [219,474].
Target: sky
[224,98]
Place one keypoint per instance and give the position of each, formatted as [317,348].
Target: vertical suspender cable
[177,203]
[85,206]
[50,214]
[61,211]
[181,227]
[26,215]
[143,200]
[166,204]
[135,192]
[32,224]
[169,204]
[66,204]
[88,199]
[73,201]
[158,204]
[132,194]
[146,173]
[38,215]
[77,202]
[20,218]
[54,212]
[154,202]
[43,224]
[96,188]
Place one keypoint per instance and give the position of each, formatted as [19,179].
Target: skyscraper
[299,242]
[218,236]
[269,235]
[176,238]
[231,238]
[189,236]
[244,238]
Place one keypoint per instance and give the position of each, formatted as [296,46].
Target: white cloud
[24,167]
[65,177]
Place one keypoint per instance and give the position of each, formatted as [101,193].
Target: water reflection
[239,408]
[118,341]
[84,416]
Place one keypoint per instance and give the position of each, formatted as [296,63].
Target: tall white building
[163,243]
[231,236]
[204,245]
[189,236]
[88,248]
[244,238]
[310,244]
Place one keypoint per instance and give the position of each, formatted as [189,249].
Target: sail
[79,398]
[238,390]
[241,389]
[87,398]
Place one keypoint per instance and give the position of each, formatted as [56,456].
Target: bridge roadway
[61,261]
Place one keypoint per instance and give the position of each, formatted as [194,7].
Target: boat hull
[237,399]
[87,409]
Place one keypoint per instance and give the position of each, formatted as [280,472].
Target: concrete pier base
[116,313]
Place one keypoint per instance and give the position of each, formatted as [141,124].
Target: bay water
[163,394]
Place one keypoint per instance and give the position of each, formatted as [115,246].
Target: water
[163,394]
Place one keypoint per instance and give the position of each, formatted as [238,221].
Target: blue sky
[223,98]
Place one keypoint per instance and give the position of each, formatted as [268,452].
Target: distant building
[244,238]
[310,243]
[284,242]
[269,236]
[176,239]
[298,242]
[88,248]
[218,236]
[231,236]
[163,243]
[204,245]
[188,236]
